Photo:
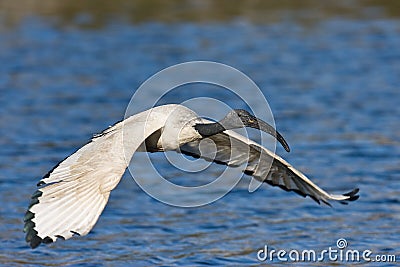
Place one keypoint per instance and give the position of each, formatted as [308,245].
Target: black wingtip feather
[75,233]
[37,194]
[60,236]
[35,242]
[33,202]
[28,216]
[352,195]
[29,225]
[31,234]
[326,203]
[315,199]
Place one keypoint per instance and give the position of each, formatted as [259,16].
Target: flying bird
[72,195]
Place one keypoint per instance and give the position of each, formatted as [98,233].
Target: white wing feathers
[73,194]
[262,164]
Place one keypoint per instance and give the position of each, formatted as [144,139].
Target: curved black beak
[238,118]
[256,123]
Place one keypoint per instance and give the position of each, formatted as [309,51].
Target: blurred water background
[329,69]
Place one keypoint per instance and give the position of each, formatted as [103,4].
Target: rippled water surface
[333,88]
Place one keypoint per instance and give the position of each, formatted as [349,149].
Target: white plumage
[73,194]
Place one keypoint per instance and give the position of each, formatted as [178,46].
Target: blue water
[333,88]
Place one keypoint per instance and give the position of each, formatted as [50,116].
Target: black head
[239,118]
[245,119]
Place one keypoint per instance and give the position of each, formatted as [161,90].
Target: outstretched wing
[72,196]
[262,164]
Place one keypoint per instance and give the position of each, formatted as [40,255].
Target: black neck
[209,129]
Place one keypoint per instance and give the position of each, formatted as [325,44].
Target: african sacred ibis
[73,194]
